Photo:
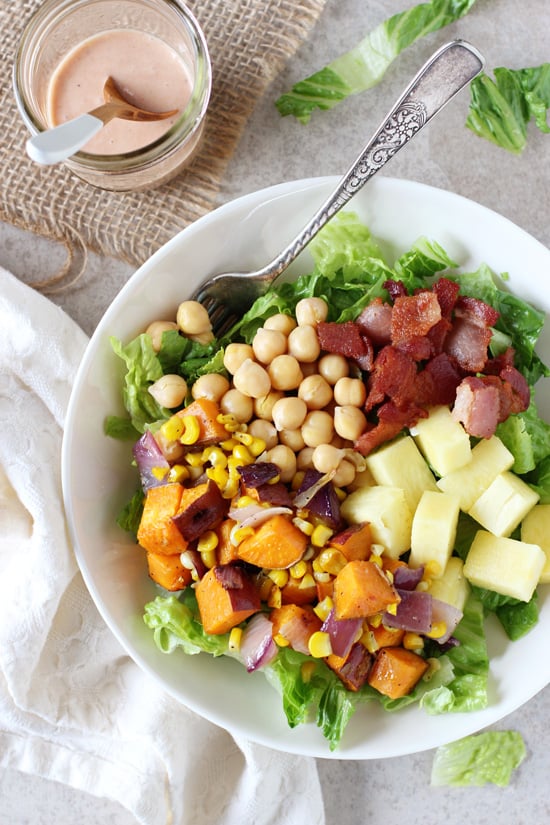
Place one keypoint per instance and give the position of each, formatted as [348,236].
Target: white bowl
[97,479]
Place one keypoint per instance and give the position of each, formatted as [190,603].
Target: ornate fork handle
[447,72]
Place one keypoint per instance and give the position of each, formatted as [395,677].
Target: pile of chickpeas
[306,406]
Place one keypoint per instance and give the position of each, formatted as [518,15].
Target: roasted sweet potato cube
[157,532]
[295,623]
[226,596]
[361,589]
[387,636]
[168,571]
[354,669]
[201,508]
[296,592]
[354,542]
[226,551]
[396,671]
[276,544]
[206,412]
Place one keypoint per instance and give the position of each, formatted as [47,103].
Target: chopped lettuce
[175,623]
[501,109]
[143,368]
[365,65]
[479,759]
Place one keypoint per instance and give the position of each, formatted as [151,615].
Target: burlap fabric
[249,41]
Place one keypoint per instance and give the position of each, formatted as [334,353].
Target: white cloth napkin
[73,706]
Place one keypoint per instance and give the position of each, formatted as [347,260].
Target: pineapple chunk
[535,528]
[401,464]
[388,513]
[434,530]
[452,587]
[443,441]
[489,458]
[503,504]
[505,565]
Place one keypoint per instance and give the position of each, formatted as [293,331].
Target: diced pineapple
[434,530]
[443,441]
[401,464]
[535,528]
[452,587]
[489,458]
[388,513]
[503,504]
[505,565]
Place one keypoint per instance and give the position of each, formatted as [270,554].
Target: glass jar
[58,26]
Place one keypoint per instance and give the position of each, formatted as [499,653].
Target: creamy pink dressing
[147,71]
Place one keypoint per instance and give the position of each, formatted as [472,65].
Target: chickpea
[350,391]
[202,337]
[213,386]
[156,329]
[259,428]
[317,428]
[289,413]
[333,367]
[304,459]
[192,318]
[263,406]
[303,343]
[169,391]
[292,439]
[235,355]
[311,311]
[280,323]
[285,459]
[285,373]
[349,421]
[267,344]
[345,474]
[252,379]
[326,458]
[315,391]
[236,403]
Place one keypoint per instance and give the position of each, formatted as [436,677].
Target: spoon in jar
[60,142]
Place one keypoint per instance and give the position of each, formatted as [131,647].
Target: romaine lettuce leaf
[175,623]
[365,65]
[527,437]
[488,757]
[500,109]
[143,368]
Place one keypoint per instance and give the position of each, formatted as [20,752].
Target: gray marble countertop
[272,150]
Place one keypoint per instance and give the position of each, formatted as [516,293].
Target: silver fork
[228,296]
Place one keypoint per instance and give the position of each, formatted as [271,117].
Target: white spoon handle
[58,144]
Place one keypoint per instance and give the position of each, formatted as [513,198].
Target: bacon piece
[438,334]
[447,293]
[476,310]
[495,365]
[346,339]
[419,347]
[521,394]
[413,316]
[437,382]
[395,289]
[477,406]
[375,322]
[391,420]
[393,376]
[467,342]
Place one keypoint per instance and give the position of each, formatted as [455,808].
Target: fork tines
[221,317]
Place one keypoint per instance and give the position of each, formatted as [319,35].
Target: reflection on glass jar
[158,57]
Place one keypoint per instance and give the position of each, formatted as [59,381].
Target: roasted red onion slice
[257,646]
[414,612]
[406,578]
[149,458]
[448,615]
[343,633]
[252,515]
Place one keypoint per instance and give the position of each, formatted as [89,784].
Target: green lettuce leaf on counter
[501,109]
[364,66]
[479,759]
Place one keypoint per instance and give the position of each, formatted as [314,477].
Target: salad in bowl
[338,504]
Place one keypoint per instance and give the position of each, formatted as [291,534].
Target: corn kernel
[191,429]
[369,642]
[243,437]
[245,501]
[275,598]
[280,640]
[231,488]
[310,553]
[228,444]
[231,424]
[392,608]
[376,620]
[377,549]
[159,472]
[303,525]
[178,473]
[257,447]
[376,559]
[297,480]
[265,588]
[321,534]
[341,494]
[319,644]
[215,456]
[423,585]
[172,430]
[321,577]
[239,533]
[331,560]
[218,475]
[298,570]
[412,641]
[235,638]
[194,459]
[278,577]
[242,454]
[389,575]
[437,630]
[432,570]
[209,558]
[208,541]
[306,581]
[323,608]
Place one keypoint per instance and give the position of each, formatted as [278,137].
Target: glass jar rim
[187,123]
